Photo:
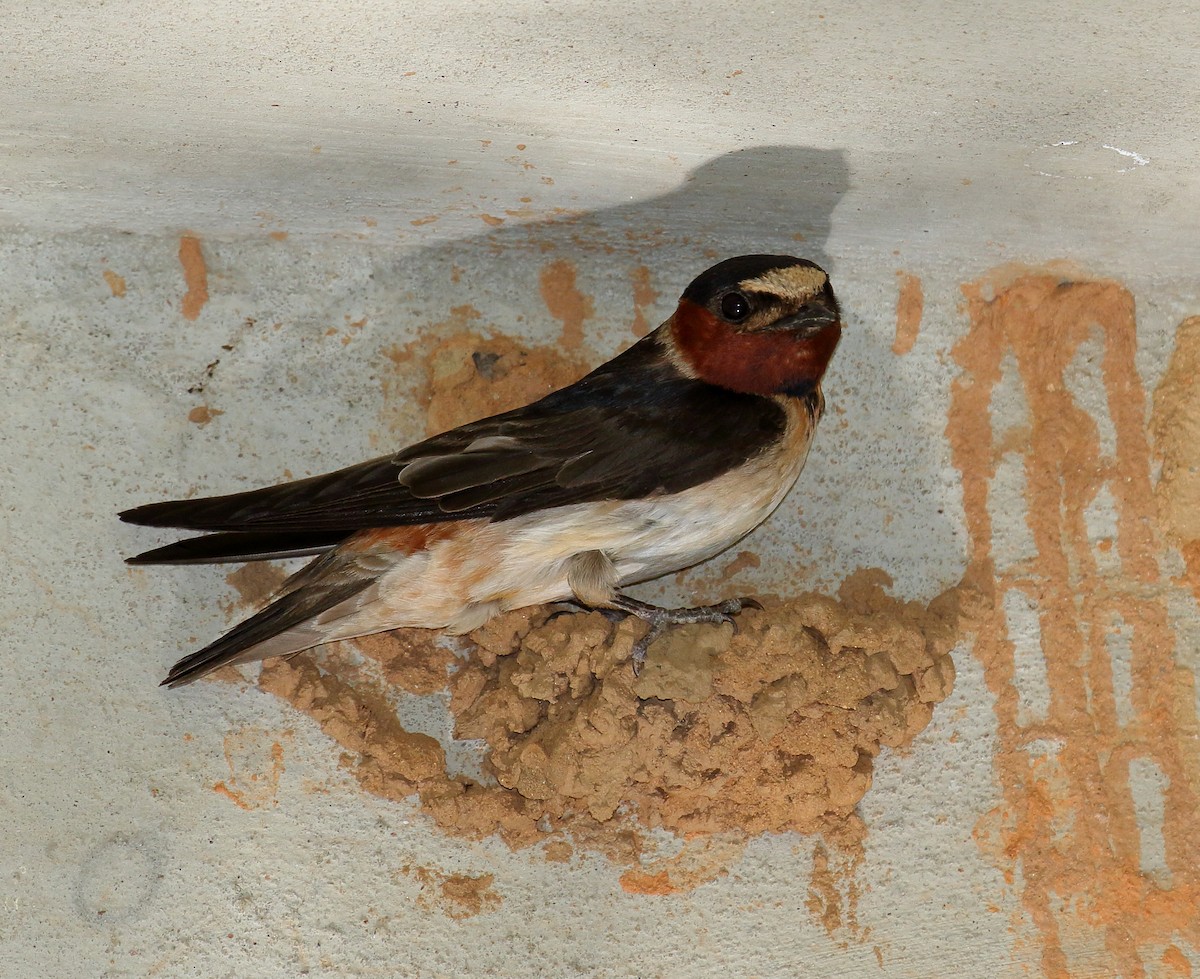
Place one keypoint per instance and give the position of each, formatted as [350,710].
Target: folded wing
[634,427]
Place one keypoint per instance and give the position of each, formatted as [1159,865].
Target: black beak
[809,319]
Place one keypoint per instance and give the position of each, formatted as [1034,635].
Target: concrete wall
[246,242]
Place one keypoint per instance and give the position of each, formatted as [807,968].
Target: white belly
[645,539]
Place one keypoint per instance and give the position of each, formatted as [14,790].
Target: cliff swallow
[659,459]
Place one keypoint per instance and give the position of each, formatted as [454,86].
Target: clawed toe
[660,619]
[640,648]
[731,608]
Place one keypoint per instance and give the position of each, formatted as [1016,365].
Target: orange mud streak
[195,277]
[565,301]
[910,305]
[1070,820]
[644,296]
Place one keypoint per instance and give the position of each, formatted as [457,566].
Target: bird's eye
[735,307]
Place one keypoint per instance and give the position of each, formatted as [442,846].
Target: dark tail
[294,622]
[217,548]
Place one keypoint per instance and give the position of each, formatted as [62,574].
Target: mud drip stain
[116,283]
[255,760]
[644,297]
[195,277]
[1067,835]
[565,301]
[910,306]
[457,896]
[1175,425]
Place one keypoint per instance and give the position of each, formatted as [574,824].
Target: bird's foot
[662,618]
[571,607]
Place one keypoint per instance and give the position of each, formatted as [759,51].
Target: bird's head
[759,324]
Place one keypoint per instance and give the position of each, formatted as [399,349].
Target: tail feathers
[218,548]
[292,623]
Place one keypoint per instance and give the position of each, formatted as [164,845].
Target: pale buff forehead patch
[797,284]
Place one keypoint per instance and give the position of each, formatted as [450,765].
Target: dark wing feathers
[299,505]
[246,546]
[476,499]
[633,427]
[433,477]
[286,612]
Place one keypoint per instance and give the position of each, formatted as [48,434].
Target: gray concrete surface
[307,149]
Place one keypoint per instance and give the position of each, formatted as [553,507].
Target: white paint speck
[1138,159]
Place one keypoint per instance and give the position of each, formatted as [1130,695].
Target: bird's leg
[660,618]
[573,606]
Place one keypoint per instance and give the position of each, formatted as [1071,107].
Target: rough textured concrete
[231,235]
